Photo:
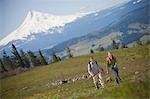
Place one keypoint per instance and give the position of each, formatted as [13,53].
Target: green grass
[32,84]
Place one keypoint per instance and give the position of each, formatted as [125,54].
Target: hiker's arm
[115,59]
[107,66]
[89,70]
[115,62]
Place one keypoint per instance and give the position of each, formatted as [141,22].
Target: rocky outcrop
[66,81]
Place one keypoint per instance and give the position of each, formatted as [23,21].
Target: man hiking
[96,72]
[111,66]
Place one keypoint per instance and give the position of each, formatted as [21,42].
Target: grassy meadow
[134,65]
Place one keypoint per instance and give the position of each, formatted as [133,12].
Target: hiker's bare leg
[101,80]
[95,82]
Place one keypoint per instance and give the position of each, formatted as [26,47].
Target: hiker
[96,72]
[111,66]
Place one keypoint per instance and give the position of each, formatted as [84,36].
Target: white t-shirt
[94,68]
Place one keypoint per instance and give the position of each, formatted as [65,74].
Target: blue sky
[13,12]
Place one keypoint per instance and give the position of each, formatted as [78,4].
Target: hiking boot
[102,86]
[97,87]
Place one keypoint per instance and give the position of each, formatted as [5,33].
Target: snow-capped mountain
[41,30]
[37,22]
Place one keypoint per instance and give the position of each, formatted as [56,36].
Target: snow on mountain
[138,1]
[37,22]
[54,33]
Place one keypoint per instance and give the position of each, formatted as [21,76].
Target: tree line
[114,45]
[26,59]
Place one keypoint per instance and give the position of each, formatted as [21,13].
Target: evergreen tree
[101,48]
[7,61]
[114,45]
[42,59]
[91,51]
[25,58]
[2,66]
[33,59]
[17,58]
[123,45]
[55,58]
[58,58]
[69,55]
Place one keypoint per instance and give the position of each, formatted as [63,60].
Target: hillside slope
[134,69]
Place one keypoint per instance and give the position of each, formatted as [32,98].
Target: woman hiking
[111,66]
[96,72]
